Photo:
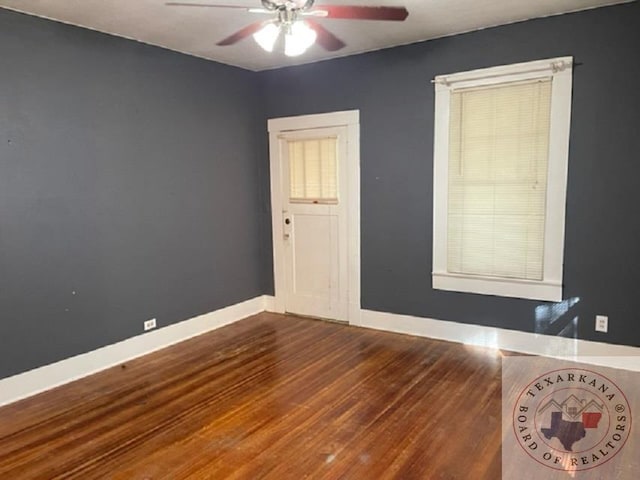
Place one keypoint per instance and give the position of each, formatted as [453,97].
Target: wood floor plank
[270,397]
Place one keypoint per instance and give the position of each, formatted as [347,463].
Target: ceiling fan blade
[326,39]
[236,7]
[243,33]
[207,5]
[354,12]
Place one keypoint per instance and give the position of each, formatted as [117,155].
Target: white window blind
[313,170]
[497,185]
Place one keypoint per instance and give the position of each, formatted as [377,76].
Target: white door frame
[276,126]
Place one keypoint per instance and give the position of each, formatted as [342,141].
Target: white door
[314,215]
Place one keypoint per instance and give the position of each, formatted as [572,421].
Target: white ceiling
[195,30]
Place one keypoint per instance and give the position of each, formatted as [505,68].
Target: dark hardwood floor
[273,397]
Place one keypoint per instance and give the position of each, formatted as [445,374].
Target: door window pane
[313,171]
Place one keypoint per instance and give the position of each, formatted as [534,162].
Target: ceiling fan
[296,18]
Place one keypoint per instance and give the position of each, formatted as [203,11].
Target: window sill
[502,287]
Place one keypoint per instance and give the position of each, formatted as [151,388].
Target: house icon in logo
[572,408]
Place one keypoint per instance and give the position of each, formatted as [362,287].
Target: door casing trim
[276,126]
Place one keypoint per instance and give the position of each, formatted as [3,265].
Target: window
[314,171]
[500,174]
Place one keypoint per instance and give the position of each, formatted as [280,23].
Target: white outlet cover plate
[602,323]
[149,324]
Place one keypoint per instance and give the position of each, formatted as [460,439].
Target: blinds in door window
[498,156]
[313,170]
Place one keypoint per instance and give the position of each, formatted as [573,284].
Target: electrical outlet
[149,324]
[602,323]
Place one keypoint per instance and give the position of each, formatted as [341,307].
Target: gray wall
[128,175]
[392,90]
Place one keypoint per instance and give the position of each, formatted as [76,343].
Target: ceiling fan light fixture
[298,39]
[266,37]
[286,15]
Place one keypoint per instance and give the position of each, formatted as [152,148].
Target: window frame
[560,70]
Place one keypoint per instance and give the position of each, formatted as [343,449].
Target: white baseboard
[50,376]
[47,377]
[269,303]
[596,353]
